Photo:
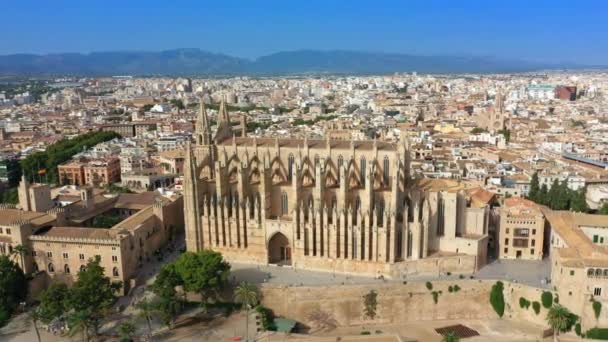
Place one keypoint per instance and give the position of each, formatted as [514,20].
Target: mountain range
[194,62]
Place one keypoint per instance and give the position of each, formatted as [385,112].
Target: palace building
[332,205]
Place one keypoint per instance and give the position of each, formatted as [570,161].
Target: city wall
[401,302]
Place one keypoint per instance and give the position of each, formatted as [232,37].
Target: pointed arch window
[290,160]
[66,268]
[340,163]
[51,268]
[362,165]
[284,204]
[386,169]
[115,272]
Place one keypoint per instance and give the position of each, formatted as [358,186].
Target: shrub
[597,333]
[435,296]
[267,318]
[461,276]
[497,298]
[524,303]
[577,329]
[456,288]
[597,309]
[556,299]
[547,299]
[429,285]
[536,307]
[366,332]
[450,288]
[449,273]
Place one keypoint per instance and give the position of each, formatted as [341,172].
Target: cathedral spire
[224,128]
[203,131]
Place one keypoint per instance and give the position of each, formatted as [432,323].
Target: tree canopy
[559,196]
[85,303]
[204,272]
[13,288]
[58,153]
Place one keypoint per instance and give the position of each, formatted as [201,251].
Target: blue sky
[554,31]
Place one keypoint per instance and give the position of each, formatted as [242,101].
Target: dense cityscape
[304,171]
[500,178]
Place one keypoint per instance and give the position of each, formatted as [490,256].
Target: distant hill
[199,62]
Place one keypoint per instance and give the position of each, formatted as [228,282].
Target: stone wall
[401,302]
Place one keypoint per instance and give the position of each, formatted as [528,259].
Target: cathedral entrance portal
[279,250]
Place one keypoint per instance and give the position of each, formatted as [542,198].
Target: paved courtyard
[534,273]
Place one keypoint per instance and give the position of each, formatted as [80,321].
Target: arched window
[386,169]
[362,170]
[66,268]
[606,273]
[284,204]
[380,212]
[590,272]
[115,272]
[35,267]
[340,163]
[290,166]
[82,268]
[598,272]
[51,268]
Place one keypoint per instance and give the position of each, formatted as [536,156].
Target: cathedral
[329,205]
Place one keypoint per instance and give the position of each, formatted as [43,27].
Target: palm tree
[20,251]
[450,337]
[247,294]
[558,318]
[146,311]
[126,331]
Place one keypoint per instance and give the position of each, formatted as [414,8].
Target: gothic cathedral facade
[341,206]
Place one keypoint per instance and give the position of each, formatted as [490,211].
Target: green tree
[9,196]
[546,298]
[534,192]
[450,337]
[13,287]
[168,304]
[204,272]
[560,319]
[578,202]
[93,293]
[247,294]
[497,298]
[79,322]
[126,331]
[604,209]
[168,309]
[553,195]
[543,195]
[53,302]
[146,310]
